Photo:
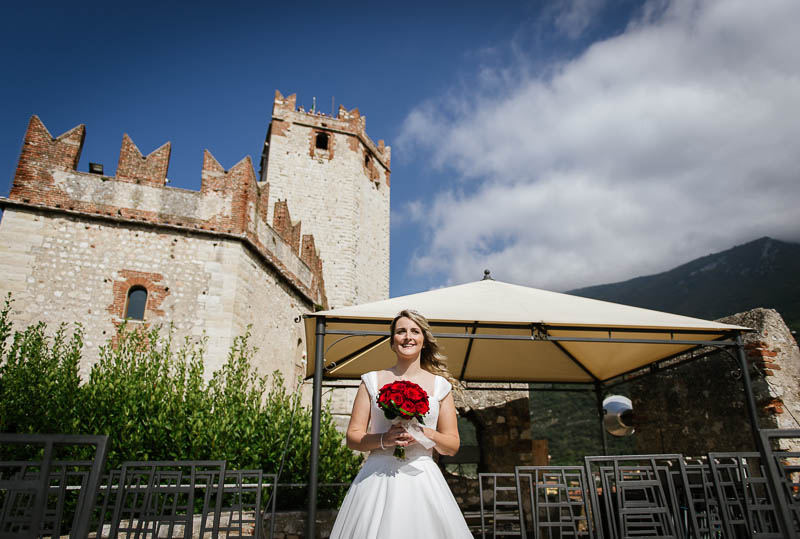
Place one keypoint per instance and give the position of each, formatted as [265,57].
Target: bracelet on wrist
[382,440]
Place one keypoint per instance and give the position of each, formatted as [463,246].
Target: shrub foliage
[152,400]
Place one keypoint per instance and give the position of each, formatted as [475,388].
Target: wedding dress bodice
[378,422]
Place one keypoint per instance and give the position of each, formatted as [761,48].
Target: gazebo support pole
[598,390]
[748,393]
[313,474]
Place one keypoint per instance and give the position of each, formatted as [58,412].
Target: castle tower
[336,181]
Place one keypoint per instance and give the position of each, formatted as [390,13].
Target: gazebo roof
[496,331]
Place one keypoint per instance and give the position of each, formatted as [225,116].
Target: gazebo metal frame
[730,339]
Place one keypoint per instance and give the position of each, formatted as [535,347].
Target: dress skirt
[391,499]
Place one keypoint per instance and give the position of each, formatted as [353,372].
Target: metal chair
[104,503]
[783,467]
[156,499]
[554,502]
[702,495]
[504,515]
[640,495]
[41,494]
[242,511]
[743,493]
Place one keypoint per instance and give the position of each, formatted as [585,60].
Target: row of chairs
[46,496]
[729,495]
[182,499]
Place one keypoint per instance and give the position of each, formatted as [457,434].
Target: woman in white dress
[392,498]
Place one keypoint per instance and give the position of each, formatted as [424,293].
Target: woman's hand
[397,436]
[357,437]
[445,435]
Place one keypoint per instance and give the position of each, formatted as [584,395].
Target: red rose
[407,407]
[415,394]
[403,398]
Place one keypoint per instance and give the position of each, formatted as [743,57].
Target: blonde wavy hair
[432,359]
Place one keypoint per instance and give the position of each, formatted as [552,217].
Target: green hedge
[150,397]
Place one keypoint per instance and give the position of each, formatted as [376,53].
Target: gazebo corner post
[598,390]
[316,402]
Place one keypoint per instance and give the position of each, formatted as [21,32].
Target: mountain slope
[761,273]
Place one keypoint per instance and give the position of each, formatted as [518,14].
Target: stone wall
[502,420]
[292,524]
[466,491]
[701,407]
[72,244]
[340,399]
[66,268]
[504,435]
[341,193]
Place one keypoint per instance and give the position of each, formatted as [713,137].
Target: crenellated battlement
[230,202]
[42,149]
[133,167]
[284,226]
[351,122]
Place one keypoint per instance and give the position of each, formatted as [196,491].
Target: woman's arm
[357,437]
[446,434]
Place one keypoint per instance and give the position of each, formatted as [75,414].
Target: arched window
[322,141]
[137,299]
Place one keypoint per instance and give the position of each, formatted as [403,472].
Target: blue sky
[561,144]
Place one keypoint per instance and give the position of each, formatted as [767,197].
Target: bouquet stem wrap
[414,429]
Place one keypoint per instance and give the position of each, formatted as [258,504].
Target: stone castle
[311,230]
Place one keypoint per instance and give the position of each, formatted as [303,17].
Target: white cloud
[411,211]
[576,15]
[672,140]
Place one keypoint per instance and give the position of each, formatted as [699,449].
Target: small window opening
[366,160]
[137,299]
[322,141]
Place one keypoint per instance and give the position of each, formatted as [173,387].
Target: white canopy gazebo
[498,332]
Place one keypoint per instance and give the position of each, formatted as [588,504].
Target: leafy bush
[39,384]
[150,397]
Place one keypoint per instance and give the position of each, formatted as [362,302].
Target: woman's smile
[407,338]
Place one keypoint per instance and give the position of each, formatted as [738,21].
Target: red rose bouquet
[403,400]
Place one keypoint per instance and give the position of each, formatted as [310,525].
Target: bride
[392,498]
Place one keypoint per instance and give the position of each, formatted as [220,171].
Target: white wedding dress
[401,499]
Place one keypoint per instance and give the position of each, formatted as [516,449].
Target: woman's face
[408,339]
